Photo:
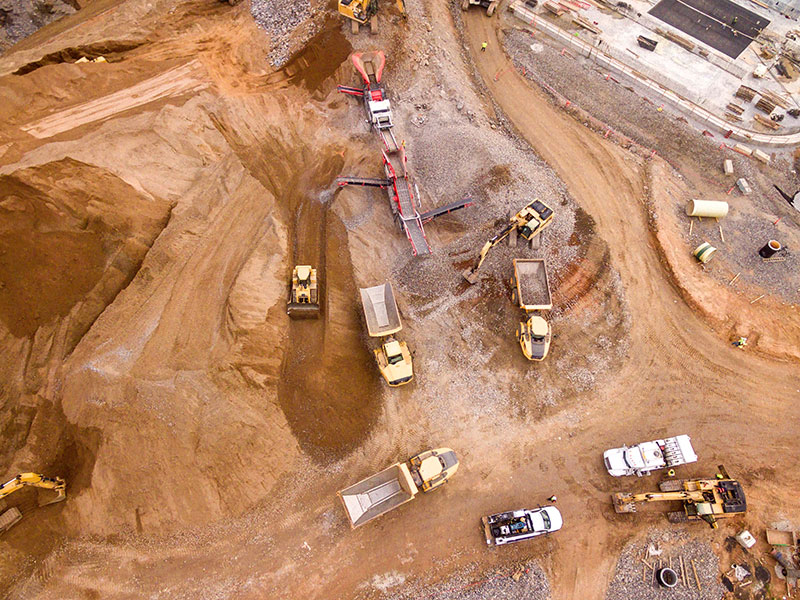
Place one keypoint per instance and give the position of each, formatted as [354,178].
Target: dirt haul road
[201,461]
[679,373]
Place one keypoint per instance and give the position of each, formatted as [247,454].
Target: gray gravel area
[632,579]
[289,25]
[20,18]
[526,581]
[750,223]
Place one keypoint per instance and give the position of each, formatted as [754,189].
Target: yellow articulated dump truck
[383,321]
[397,484]
[531,290]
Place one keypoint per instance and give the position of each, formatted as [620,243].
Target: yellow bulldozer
[362,11]
[703,499]
[11,516]
[304,295]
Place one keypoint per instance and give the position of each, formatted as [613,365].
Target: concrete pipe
[770,248]
[707,208]
[704,252]
[667,577]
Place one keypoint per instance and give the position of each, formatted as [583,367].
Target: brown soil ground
[203,434]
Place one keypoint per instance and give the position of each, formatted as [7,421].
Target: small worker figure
[740,343]
[552,499]
[720,476]
[735,20]
[671,473]
[484,45]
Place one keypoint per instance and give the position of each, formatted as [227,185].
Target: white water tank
[707,208]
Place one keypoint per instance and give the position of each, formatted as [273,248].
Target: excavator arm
[471,274]
[626,503]
[35,480]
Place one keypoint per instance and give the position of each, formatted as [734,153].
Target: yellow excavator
[361,11]
[304,295]
[703,499]
[527,223]
[13,515]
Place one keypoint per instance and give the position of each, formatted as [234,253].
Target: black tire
[671,485]
[677,516]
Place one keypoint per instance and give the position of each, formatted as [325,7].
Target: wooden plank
[696,578]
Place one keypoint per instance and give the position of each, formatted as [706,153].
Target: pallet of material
[745,93]
[732,118]
[766,122]
[554,8]
[775,99]
[586,24]
[765,106]
[735,108]
[682,42]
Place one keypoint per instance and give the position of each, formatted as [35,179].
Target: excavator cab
[536,216]
[534,338]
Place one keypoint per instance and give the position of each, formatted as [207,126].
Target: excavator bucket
[471,275]
[622,503]
[46,497]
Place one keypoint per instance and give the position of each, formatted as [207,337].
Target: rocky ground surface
[184,178]
[20,18]
[526,581]
[634,579]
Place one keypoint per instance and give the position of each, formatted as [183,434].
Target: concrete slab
[721,24]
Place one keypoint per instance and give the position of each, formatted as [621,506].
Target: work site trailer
[380,310]
[531,283]
[378,494]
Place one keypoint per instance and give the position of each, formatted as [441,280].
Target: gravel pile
[628,584]
[281,19]
[20,18]
[523,582]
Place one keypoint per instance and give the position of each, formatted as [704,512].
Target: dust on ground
[187,359]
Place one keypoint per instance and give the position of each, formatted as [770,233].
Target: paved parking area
[721,24]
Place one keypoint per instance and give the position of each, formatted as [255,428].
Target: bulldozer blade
[471,276]
[297,310]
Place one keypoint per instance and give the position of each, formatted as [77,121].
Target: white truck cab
[646,457]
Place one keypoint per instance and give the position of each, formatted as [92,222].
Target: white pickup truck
[646,457]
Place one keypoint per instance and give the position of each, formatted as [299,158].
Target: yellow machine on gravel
[527,224]
[531,290]
[304,295]
[703,499]
[383,321]
[397,484]
[361,11]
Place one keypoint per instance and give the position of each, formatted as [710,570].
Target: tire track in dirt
[674,359]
